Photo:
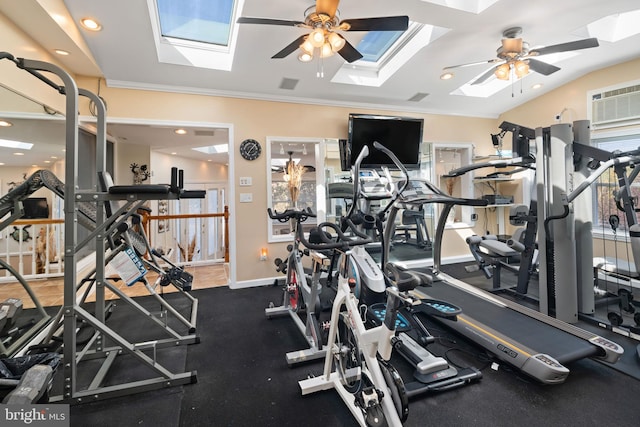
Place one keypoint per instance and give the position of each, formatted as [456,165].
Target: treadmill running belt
[562,346]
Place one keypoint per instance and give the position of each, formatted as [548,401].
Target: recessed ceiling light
[446,76]
[91,24]
[5,123]
[34,166]
[174,153]
[18,154]
[180,131]
[47,161]
[1,164]
[536,86]
[61,52]
[54,157]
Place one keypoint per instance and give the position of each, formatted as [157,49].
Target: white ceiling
[124,51]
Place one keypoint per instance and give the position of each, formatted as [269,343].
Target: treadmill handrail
[502,163]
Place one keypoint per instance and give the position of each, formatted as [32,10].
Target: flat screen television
[35,208]
[401,135]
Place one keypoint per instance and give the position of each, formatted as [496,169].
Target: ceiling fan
[515,55]
[323,21]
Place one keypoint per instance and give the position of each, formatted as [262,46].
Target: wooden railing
[41,255]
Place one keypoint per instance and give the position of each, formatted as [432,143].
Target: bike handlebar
[298,215]
[343,242]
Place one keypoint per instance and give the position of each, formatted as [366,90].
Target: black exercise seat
[137,189]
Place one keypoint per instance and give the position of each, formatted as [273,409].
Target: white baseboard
[267,281]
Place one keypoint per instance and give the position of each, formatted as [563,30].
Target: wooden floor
[50,291]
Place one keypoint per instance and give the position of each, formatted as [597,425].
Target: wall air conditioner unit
[616,107]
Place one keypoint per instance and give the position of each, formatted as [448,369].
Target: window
[606,187]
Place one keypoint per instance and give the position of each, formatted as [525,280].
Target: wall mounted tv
[401,135]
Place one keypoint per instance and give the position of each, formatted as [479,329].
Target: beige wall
[196,171]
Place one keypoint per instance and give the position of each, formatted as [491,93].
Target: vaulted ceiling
[126,52]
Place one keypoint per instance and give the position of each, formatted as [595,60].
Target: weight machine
[106,345]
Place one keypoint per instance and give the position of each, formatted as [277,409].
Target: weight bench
[489,253]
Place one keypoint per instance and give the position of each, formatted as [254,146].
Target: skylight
[392,52]
[198,33]
[614,27]
[9,143]
[206,21]
[376,43]
[213,149]
[473,6]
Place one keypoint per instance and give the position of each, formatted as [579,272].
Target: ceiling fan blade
[542,67]
[267,21]
[327,7]
[484,77]
[385,23]
[349,53]
[489,61]
[565,47]
[290,48]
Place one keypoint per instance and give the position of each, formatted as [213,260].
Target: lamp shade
[521,68]
[337,42]
[316,37]
[326,50]
[307,46]
[502,72]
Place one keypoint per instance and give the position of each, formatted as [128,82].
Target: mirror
[27,121]
[295,179]
[412,244]
[447,157]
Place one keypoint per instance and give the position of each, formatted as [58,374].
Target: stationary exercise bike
[361,338]
[357,359]
[357,363]
[301,295]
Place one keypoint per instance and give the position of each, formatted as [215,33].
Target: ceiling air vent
[418,97]
[619,106]
[288,84]
[204,132]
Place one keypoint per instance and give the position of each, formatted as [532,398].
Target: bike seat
[405,279]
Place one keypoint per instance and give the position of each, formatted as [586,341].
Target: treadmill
[535,343]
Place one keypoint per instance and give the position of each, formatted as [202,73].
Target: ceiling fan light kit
[324,22]
[517,59]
